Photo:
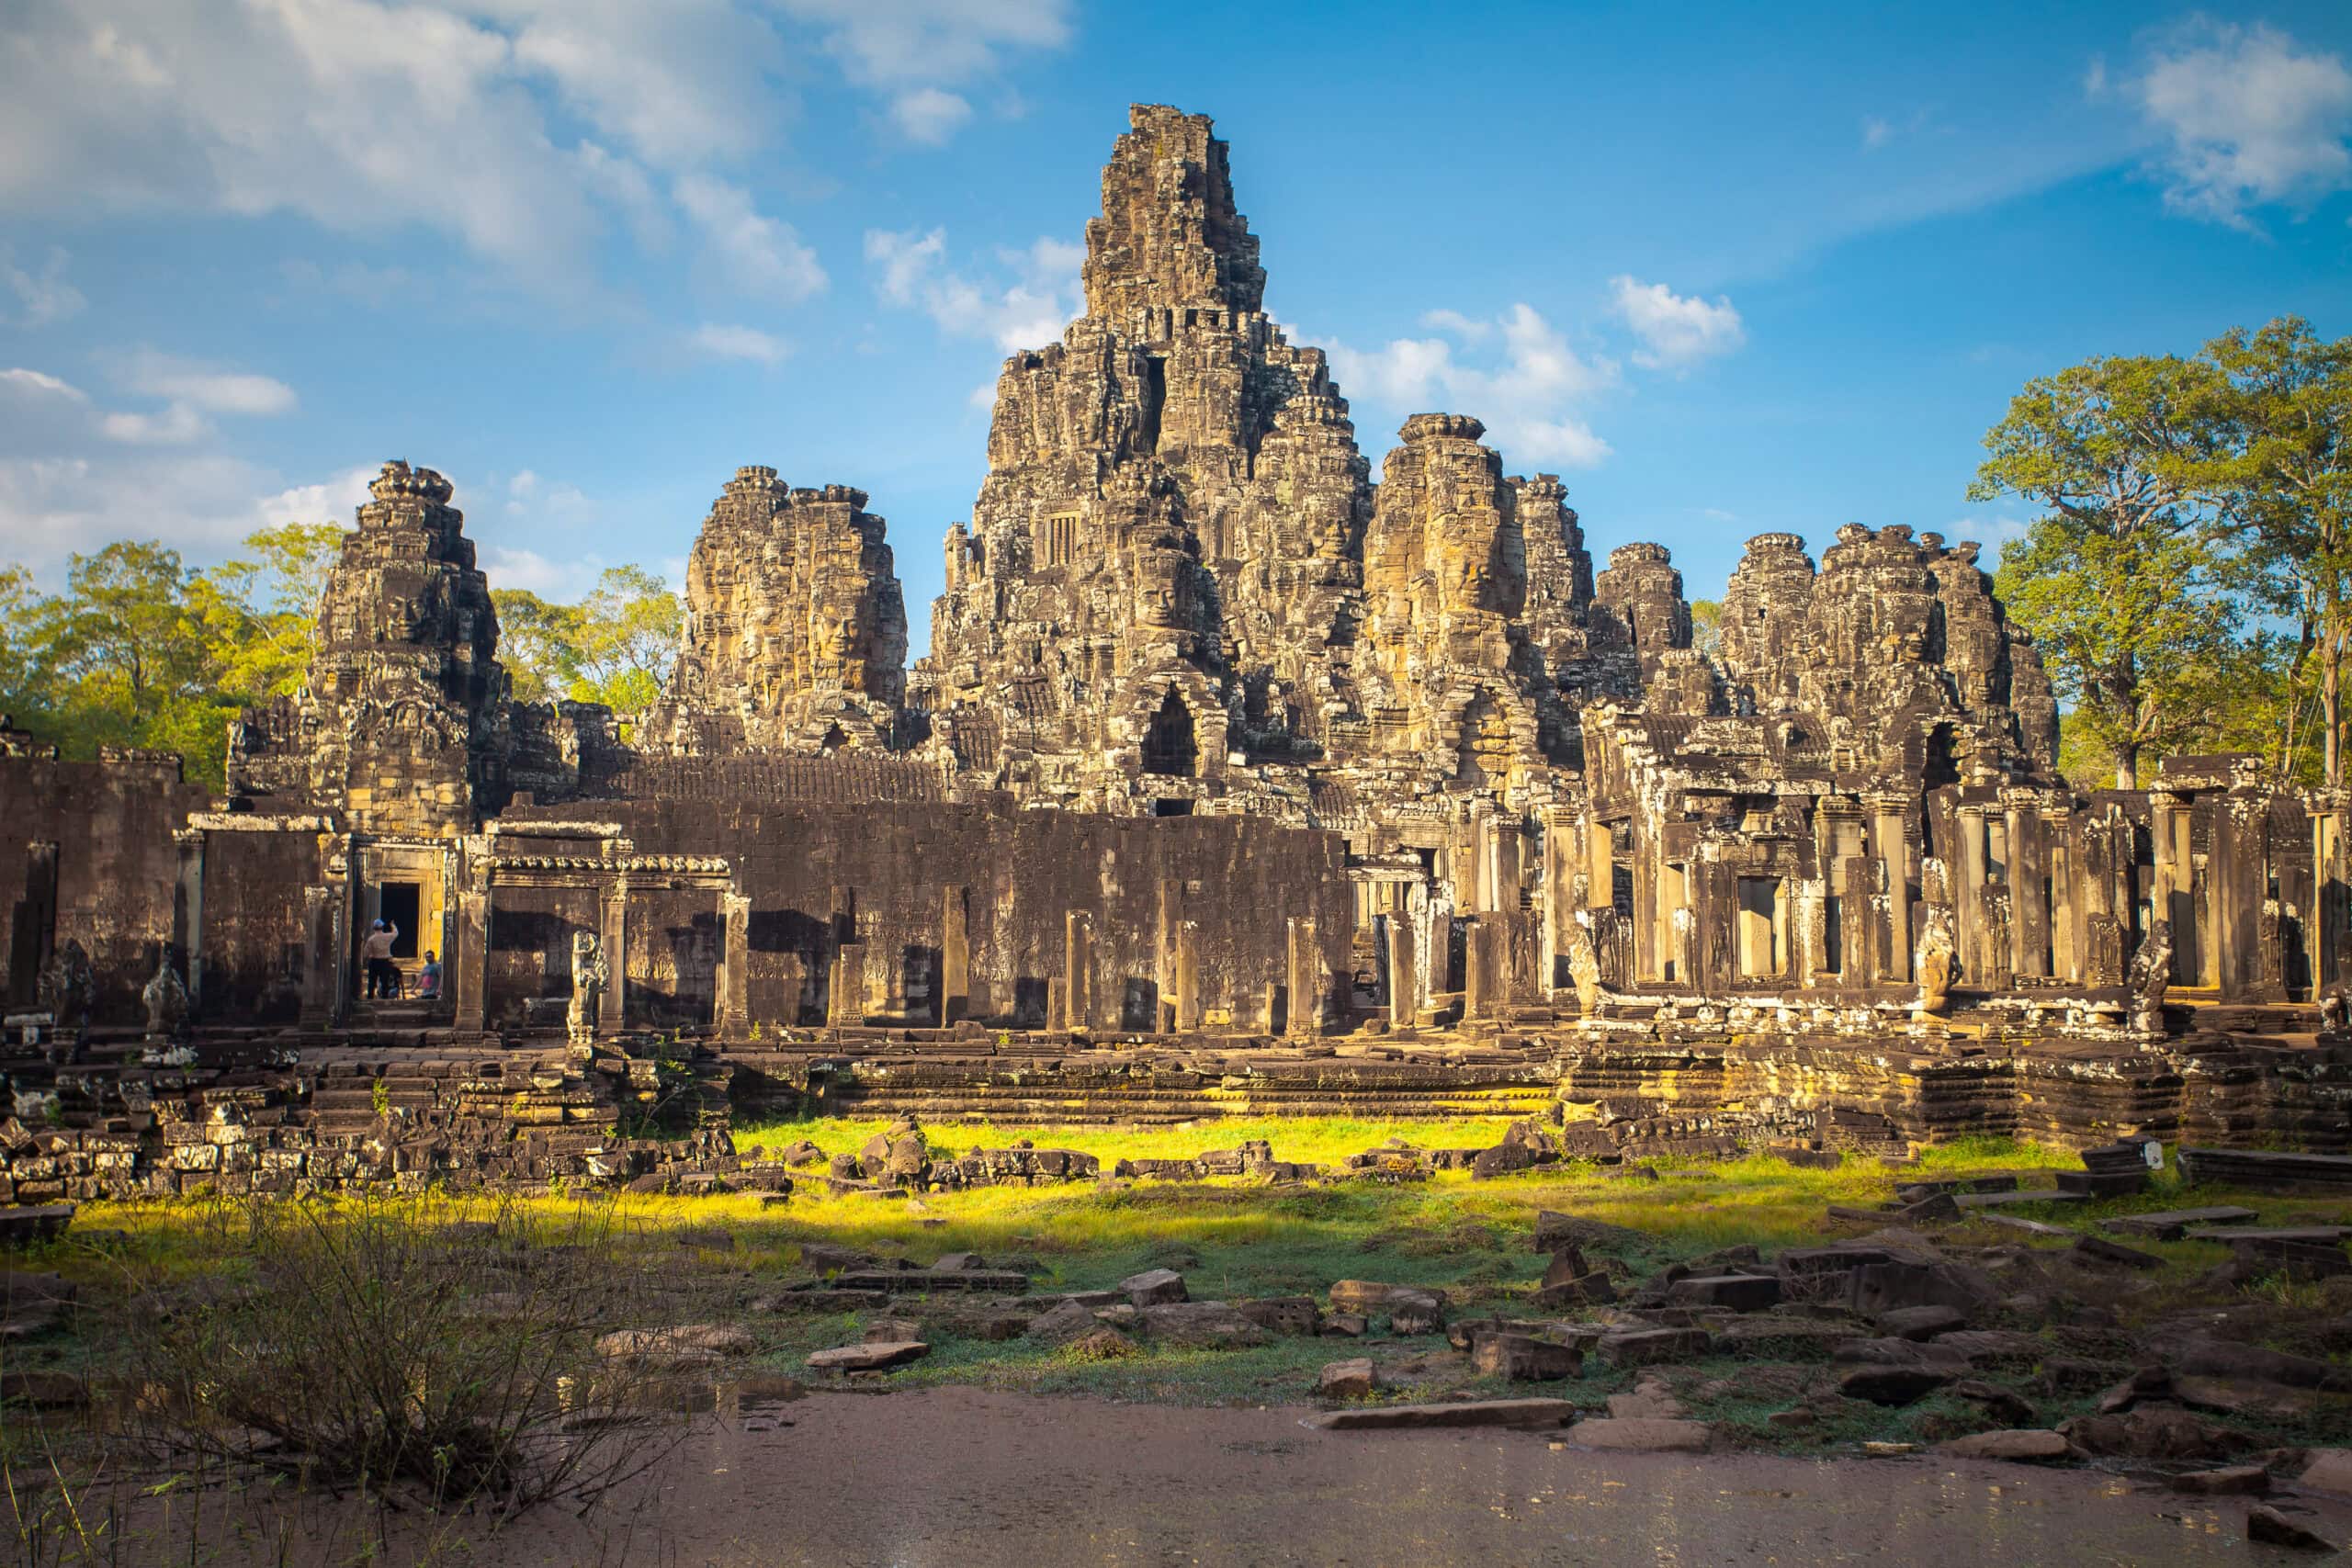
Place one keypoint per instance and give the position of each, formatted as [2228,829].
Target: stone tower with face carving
[795,631]
[1160,569]
[402,720]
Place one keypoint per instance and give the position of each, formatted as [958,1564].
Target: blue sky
[1726,271]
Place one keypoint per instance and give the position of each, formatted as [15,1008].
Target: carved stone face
[1163,590]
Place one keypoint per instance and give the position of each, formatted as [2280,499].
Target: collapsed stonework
[1230,777]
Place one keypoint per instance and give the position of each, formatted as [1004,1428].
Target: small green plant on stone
[379,1096]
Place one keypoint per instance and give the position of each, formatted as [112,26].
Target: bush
[396,1347]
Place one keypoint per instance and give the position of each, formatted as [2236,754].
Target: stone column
[1559,874]
[1304,974]
[2066,895]
[1483,960]
[1164,952]
[955,956]
[469,965]
[845,989]
[612,1015]
[2030,912]
[1969,873]
[734,1019]
[2330,924]
[2170,899]
[1404,974]
[1887,844]
[2236,885]
[1188,976]
[321,974]
[187,911]
[1077,970]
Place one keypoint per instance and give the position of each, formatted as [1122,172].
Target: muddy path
[965,1478]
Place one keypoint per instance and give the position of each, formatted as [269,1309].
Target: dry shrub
[390,1346]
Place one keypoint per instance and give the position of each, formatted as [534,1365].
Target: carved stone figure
[1936,962]
[1583,966]
[166,999]
[590,975]
[2332,1009]
[2151,977]
[65,986]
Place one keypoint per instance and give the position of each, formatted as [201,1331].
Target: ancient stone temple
[1230,780]
[796,633]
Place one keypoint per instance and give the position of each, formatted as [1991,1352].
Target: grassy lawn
[724,1259]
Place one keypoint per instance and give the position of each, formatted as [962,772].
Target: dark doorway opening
[1168,747]
[1172,806]
[397,902]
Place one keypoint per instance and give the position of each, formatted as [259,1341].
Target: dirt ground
[969,1478]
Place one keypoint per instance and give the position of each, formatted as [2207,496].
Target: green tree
[2121,581]
[626,640]
[1707,626]
[615,647]
[2289,480]
[535,642]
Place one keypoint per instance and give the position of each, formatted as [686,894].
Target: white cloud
[201,504]
[176,425]
[911,271]
[43,297]
[41,384]
[890,42]
[760,256]
[1529,402]
[510,566]
[929,115]
[1675,331]
[720,341]
[1876,132]
[2252,119]
[523,129]
[206,388]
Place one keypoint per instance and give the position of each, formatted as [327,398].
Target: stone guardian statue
[1936,964]
[166,999]
[1584,966]
[590,975]
[2151,977]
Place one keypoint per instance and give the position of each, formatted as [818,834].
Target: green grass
[1321,1140]
[1231,1238]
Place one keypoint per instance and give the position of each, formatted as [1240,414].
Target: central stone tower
[1163,570]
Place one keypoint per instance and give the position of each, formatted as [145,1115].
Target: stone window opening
[1169,748]
[1762,946]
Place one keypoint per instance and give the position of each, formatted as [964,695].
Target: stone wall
[87,855]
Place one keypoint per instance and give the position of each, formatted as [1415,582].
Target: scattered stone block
[1642,1436]
[1296,1315]
[2272,1526]
[1892,1385]
[2024,1447]
[1153,1287]
[1201,1326]
[2099,1249]
[1513,1412]
[1739,1292]
[1350,1379]
[1366,1295]
[1649,1346]
[1346,1325]
[2171,1225]
[1921,1322]
[2328,1469]
[1523,1358]
[1061,1324]
[873,1357]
